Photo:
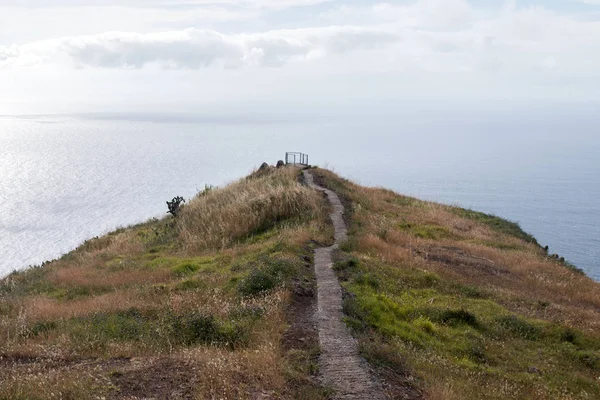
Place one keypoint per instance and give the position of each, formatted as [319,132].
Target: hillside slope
[462,304]
[219,303]
[188,307]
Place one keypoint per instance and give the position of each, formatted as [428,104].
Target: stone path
[341,366]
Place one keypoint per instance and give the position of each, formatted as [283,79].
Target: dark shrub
[569,335]
[257,282]
[196,328]
[457,317]
[519,327]
[175,205]
[42,328]
[267,274]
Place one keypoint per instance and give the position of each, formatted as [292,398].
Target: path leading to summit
[341,366]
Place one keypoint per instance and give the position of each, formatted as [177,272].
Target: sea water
[64,179]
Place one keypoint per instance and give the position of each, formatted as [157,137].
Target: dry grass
[39,308]
[417,265]
[196,306]
[440,241]
[80,276]
[220,217]
[166,295]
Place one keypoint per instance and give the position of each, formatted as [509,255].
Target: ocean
[67,178]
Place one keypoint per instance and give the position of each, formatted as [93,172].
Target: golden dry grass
[466,253]
[166,295]
[415,261]
[168,299]
[220,217]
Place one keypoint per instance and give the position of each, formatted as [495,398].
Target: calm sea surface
[65,179]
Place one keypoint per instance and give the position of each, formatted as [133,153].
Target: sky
[294,56]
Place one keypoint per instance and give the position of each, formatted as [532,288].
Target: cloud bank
[195,48]
[428,35]
[138,50]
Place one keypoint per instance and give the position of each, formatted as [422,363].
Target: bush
[121,326]
[346,268]
[519,327]
[175,205]
[569,335]
[42,328]
[456,317]
[196,328]
[257,282]
[161,329]
[186,268]
[425,325]
[266,275]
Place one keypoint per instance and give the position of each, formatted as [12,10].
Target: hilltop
[219,302]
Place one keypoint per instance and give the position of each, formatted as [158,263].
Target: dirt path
[341,366]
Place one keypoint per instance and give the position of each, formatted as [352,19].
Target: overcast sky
[188,55]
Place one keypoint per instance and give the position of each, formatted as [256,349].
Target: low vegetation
[186,307]
[218,303]
[466,304]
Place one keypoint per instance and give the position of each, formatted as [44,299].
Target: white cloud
[430,35]
[194,48]
[451,35]
[230,49]
[23,25]
[27,21]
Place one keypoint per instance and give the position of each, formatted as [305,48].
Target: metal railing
[296,158]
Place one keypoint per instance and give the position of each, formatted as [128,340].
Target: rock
[263,167]
[280,164]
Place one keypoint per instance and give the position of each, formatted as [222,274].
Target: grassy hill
[217,303]
[462,304]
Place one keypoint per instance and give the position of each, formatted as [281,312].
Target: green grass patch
[186,268]
[499,245]
[431,232]
[77,292]
[267,273]
[32,280]
[440,328]
[404,201]
[515,325]
[157,329]
[467,291]
[42,328]
[498,224]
